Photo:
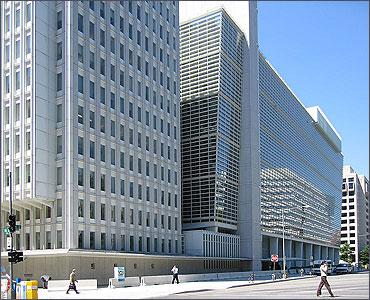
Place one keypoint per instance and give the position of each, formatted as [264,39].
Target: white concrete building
[355,211]
[90,125]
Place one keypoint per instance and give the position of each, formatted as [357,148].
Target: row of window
[134,243]
[17,48]
[113,154]
[113,129]
[17,80]
[17,18]
[122,186]
[122,182]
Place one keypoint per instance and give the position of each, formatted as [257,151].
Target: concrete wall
[100,265]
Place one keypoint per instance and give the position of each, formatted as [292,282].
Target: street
[351,286]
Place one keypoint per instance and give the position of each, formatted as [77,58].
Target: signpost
[274,259]
[119,273]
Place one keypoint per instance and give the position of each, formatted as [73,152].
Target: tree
[364,255]
[346,253]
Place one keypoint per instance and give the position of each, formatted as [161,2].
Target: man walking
[175,274]
[324,281]
[72,282]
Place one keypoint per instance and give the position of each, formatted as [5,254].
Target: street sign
[8,243]
[6,230]
[119,273]
[274,258]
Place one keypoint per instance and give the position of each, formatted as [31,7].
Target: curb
[269,281]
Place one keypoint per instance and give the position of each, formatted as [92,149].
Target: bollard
[32,289]
[142,282]
[273,276]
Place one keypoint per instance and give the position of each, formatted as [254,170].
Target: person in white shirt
[324,281]
[175,274]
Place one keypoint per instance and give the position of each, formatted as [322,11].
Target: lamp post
[283,225]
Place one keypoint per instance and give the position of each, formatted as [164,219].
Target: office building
[355,211]
[90,128]
[252,158]
[215,123]
[301,167]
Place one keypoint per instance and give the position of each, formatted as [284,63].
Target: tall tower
[220,136]
[355,214]
[90,124]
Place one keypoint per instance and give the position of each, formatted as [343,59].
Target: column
[273,245]
[316,252]
[299,253]
[288,253]
[309,253]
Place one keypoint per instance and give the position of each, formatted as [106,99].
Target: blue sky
[321,49]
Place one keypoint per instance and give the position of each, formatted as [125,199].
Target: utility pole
[11,236]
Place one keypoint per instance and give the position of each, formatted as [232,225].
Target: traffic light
[11,222]
[15,256]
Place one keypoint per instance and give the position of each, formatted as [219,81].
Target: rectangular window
[92,179]
[80,22]
[80,145]
[59,20]
[123,218]
[92,149]
[112,100]
[122,160]
[92,60]
[102,9]
[102,66]
[112,45]
[102,212]
[59,51]
[113,157]
[92,30]
[92,210]
[102,153]
[113,185]
[80,177]
[122,187]
[102,182]
[81,208]
[112,19]
[80,84]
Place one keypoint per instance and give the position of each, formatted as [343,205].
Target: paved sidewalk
[152,291]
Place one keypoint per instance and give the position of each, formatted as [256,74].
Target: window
[102,241]
[138,37]
[121,24]
[92,90]
[59,207]
[80,176]
[92,179]
[112,101]
[59,20]
[92,30]
[80,84]
[131,136]
[130,57]
[59,51]
[17,80]
[121,51]
[121,78]
[131,110]
[122,132]
[122,187]
[131,163]
[122,105]
[80,23]
[92,234]
[102,66]
[113,156]
[92,60]
[59,144]
[91,5]
[59,175]
[92,119]
[102,95]
[80,115]
[92,210]
[130,31]
[112,45]
[102,212]
[138,12]
[80,145]
[102,9]
[113,185]
[131,191]
[112,17]
[81,208]
[28,12]
[102,153]
[131,216]
[102,37]
[122,159]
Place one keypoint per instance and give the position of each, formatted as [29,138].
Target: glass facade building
[211,51]
[301,166]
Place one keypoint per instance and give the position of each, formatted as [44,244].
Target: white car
[343,269]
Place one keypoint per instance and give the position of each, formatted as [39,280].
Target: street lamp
[282,216]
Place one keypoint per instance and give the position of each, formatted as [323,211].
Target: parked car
[343,269]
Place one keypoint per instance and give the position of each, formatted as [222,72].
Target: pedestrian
[72,282]
[175,274]
[324,281]
[45,279]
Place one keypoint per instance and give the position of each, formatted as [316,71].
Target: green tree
[364,255]
[346,253]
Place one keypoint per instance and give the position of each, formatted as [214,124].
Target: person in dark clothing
[72,282]
[324,280]
[175,274]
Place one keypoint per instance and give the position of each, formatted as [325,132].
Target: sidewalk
[152,291]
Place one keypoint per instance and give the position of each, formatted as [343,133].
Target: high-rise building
[256,164]
[355,211]
[301,169]
[215,121]
[90,125]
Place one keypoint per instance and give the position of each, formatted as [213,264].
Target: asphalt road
[351,286]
